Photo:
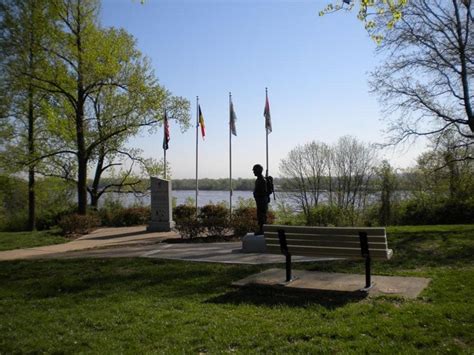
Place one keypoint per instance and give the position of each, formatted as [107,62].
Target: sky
[315,68]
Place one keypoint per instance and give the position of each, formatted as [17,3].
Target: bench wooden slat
[327,243]
[325,230]
[353,253]
[339,238]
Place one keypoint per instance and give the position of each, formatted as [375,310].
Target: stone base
[160,226]
[253,244]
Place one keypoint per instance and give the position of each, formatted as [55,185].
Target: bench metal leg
[368,282]
[288,267]
[286,252]
[364,248]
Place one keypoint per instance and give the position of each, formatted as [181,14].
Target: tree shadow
[272,296]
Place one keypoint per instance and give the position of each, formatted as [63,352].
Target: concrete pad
[227,253]
[408,287]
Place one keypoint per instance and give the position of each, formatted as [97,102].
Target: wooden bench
[337,242]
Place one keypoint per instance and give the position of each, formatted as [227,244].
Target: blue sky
[315,68]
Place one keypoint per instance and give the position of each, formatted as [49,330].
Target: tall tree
[425,82]
[340,172]
[84,59]
[23,30]
[113,108]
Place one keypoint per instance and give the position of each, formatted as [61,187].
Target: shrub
[325,215]
[49,218]
[419,211]
[244,220]
[78,224]
[15,222]
[215,219]
[183,212]
[130,216]
[186,222]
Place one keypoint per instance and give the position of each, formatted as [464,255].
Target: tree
[84,59]
[450,173]
[387,181]
[23,30]
[425,82]
[114,108]
[392,10]
[353,164]
[338,175]
[305,170]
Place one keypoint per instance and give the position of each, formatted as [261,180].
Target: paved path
[129,238]
[137,242]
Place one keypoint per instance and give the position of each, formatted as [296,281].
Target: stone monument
[161,208]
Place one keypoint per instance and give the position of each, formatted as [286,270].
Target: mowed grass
[18,240]
[152,306]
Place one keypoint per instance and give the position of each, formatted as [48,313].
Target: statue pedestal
[161,207]
[253,244]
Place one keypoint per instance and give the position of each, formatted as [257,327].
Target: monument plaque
[161,210]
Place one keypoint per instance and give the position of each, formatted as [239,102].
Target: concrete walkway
[123,237]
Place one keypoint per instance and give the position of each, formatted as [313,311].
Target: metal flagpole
[164,154]
[266,130]
[197,150]
[164,140]
[230,156]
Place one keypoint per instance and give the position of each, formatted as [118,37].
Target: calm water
[205,197]
[181,196]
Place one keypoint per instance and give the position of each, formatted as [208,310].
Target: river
[182,196]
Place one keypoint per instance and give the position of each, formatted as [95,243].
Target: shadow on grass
[443,249]
[271,297]
[96,278]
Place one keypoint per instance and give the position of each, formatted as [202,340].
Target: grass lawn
[146,306]
[18,240]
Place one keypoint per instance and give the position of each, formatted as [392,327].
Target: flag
[201,123]
[268,118]
[232,119]
[166,135]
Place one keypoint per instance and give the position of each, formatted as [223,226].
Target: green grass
[151,306]
[18,240]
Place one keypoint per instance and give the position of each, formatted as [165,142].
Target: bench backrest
[336,242]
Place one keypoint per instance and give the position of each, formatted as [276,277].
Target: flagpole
[266,131]
[197,150]
[230,156]
[164,155]
[164,150]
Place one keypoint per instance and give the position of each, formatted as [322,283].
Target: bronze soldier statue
[262,197]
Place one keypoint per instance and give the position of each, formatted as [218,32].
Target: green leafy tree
[83,61]
[23,31]
[369,11]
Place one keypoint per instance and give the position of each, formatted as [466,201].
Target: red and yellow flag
[201,123]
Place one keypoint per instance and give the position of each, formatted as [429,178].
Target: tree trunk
[94,192]
[31,168]
[81,161]
[81,145]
